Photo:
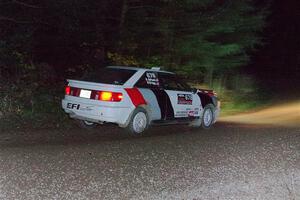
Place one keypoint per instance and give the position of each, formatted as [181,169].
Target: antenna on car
[155,68]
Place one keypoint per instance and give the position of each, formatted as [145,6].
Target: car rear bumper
[96,113]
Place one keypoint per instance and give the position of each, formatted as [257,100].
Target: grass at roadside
[234,102]
[28,107]
[235,107]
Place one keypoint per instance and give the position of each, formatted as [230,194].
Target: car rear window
[109,76]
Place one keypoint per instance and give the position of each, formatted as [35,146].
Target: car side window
[148,80]
[171,82]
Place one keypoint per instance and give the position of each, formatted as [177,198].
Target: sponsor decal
[151,78]
[191,113]
[186,99]
[186,113]
[73,106]
[196,112]
[88,108]
[181,114]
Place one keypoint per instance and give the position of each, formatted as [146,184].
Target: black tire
[86,124]
[208,117]
[138,114]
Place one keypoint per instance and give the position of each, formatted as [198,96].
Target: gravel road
[229,161]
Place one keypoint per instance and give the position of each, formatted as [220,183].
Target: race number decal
[186,99]
[152,79]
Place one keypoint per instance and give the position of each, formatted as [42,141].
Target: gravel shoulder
[227,162]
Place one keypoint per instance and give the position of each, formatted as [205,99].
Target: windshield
[109,76]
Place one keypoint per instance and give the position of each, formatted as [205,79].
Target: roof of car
[138,68]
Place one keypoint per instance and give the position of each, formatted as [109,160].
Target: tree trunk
[122,24]
[209,79]
[123,16]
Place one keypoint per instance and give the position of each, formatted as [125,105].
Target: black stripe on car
[164,102]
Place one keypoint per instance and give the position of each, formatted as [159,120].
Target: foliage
[195,37]
[44,42]
[122,60]
[189,36]
[33,100]
[239,94]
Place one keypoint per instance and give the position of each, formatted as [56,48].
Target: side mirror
[194,90]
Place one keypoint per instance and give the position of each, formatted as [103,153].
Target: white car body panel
[185,110]
[95,110]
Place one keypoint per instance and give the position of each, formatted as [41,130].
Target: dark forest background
[239,48]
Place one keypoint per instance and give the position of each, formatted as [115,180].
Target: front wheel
[139,122]
[206,120]
[208,116]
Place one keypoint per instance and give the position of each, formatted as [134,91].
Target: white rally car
[135,98]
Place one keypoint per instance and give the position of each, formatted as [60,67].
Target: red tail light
[96,95]
[110,96]
[68,90]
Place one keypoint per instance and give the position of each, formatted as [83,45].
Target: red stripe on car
[135,96]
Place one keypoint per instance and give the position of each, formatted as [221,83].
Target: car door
[156,97]
[185,103]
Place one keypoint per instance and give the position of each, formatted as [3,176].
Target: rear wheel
[139,122]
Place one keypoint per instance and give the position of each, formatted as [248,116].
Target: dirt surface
[284,114]
[173,162]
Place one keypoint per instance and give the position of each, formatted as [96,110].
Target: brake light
[68,90]
[96,95]
[105,96]
[119,97]
[110,96]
